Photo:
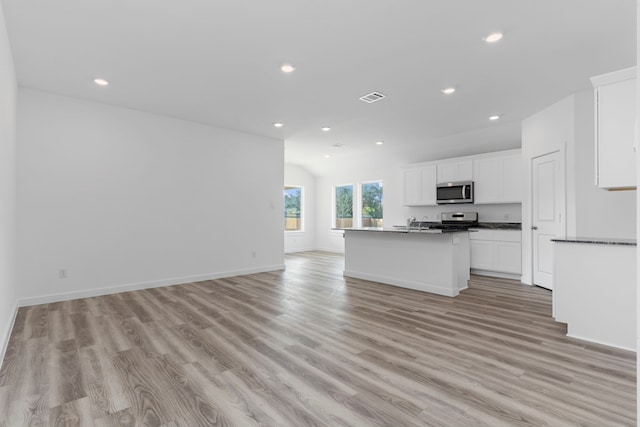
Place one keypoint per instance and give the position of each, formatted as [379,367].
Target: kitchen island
[594,289]
[435,261]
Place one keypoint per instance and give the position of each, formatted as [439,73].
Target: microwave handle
[464,187]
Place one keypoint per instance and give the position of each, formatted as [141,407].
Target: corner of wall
[6,334]
[8,197]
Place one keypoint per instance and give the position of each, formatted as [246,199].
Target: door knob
[533,227]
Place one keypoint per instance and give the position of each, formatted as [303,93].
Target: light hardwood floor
[307,347]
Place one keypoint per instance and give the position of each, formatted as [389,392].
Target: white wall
[508,212]
[299,241]
[568,126]
[122,198]
[8,285]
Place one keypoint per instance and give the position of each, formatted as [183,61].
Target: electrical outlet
[62,273]
[253,254]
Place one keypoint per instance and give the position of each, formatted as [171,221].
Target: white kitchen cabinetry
[420,186]
[453,171]
[412,187]
[498,178]
[496,251]
[615,97]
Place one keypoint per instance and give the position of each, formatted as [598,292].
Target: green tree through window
[292,208]
[344,206]
[372,204]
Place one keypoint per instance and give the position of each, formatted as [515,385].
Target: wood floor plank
[142,390]
[36,322]
[229,401]
[189,402]
[96,383]
[14,365]
[66,380]
[72,414]
[123,418]
[308,347]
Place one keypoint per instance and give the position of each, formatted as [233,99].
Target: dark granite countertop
[596,240]
[499,225]
[480,225]
[403,230]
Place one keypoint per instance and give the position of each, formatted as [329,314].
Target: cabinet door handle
[533,227]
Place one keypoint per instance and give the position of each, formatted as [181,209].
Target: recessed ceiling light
[494,117]
[287,68]
[493,37]
[326,129]
[278,124]
[379,142]
[448,90]
[101,82]
[327,156]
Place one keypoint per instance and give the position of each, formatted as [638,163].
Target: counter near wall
[403,230]
[499,225]
[429,260]
[595,289]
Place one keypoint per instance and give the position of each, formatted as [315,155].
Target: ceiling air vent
[372,97]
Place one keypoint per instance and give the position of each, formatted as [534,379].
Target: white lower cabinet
[481,254]
[496,251]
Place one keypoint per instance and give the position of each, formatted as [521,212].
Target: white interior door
[548,217]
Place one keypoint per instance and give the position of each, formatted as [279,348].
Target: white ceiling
[218,62]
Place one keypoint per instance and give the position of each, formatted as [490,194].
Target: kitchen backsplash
[486,213]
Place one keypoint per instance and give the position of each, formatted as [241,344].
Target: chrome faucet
[423,220]
[410,220]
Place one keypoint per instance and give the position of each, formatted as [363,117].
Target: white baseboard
[332,250]
[425,287]
[293,251]
[608,344]
[496,274]
[85,293]
[6,334]
[526,280]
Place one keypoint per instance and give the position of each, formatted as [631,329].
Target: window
[292,208]
[372,204]
[344,206]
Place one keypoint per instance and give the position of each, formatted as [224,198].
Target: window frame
[360,201]
[334,208]
[357,202]
[302,209]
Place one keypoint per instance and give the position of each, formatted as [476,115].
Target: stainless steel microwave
[454,192]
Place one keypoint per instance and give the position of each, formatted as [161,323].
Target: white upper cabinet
[452,171]
[498,178]
[486,178]
[615,97]
[511,178]
[420,186]
[412,187]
